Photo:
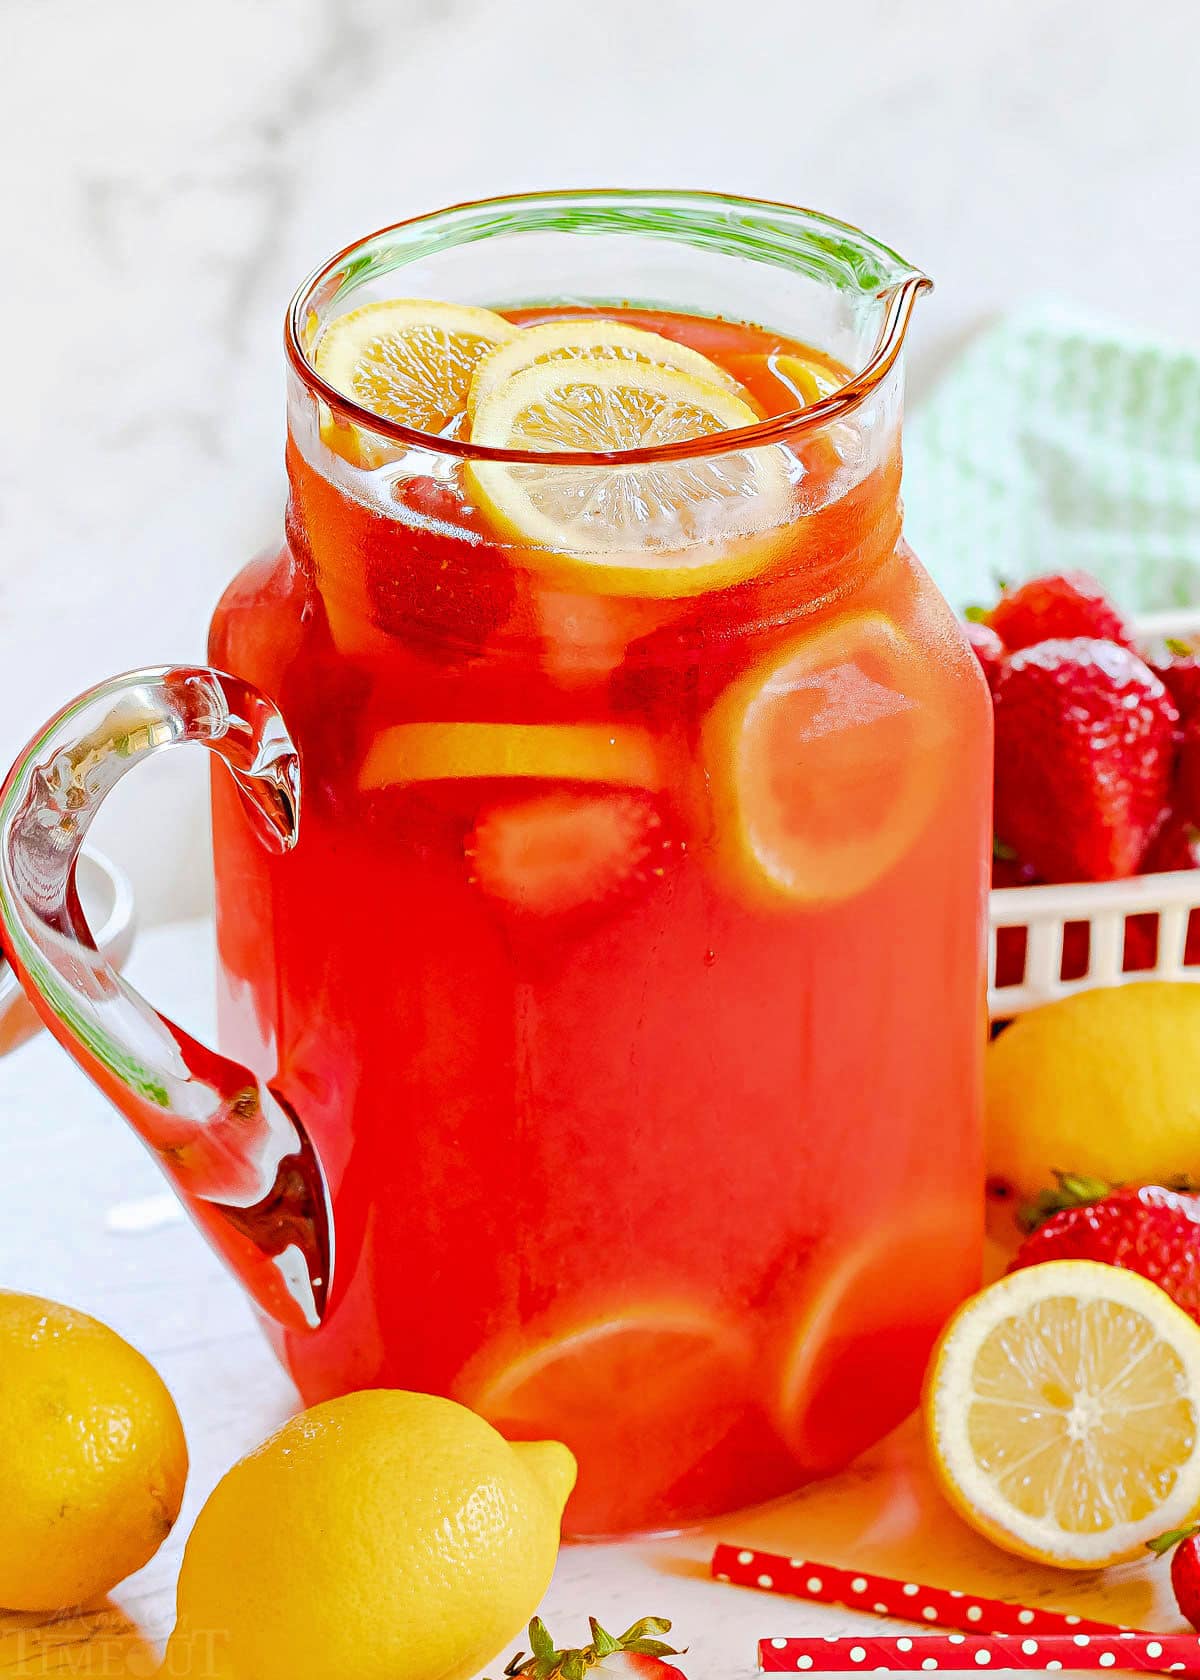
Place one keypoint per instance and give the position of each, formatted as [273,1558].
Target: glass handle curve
[233,1149]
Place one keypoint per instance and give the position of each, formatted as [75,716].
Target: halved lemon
[409,359]
[656,529]
[586,335]
[640,1398]
[1063,1413]
[566,752]
[822,762]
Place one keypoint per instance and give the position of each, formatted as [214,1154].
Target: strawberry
[448,592]
[1085,742]
[1175,846]
[1008,871]
[553,853]
[1146,1228]
[1186,799]
[1140,950]
[1057,608]
[987,647]
[1180,672]
[1184,1547]
[676,671]
[637,1652]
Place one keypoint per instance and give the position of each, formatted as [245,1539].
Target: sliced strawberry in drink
[569,850]
[584,636]
[430,577]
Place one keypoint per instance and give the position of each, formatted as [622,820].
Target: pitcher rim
[904,285]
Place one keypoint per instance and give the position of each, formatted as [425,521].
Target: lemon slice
[1063,1413]
[599,340]
[810,381]
[822,762]
[829,1404]
[409,359]
[657,529]
[565,752]
[652,1389]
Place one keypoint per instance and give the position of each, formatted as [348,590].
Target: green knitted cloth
[1059,441]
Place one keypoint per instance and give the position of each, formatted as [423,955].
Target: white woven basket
[1103,905]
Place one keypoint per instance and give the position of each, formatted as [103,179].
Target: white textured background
[170,170]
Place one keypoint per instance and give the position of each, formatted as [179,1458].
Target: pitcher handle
[233,1149]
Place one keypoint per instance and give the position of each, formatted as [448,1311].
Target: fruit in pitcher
[591,337]
[846,1331]
[1107,1081]
[567,752]
[667,1384]
[385,1535]
[1058,608]
[1085,746]
[779,380]
[409,359]
[431,577]
[822,762]
[1145,1228]
[1063,1413]
[658,528]
[559,852]
[92,1457]
[638,1652]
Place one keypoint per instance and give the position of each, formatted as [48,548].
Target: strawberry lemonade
[627,973]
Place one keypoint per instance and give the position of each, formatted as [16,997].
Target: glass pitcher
[602,1049]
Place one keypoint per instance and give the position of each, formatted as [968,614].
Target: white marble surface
[83,1219]
[170,171]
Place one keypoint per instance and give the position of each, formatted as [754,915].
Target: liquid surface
[627,973]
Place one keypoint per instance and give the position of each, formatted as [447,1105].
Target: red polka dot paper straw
[1167,1653]
[880,1595]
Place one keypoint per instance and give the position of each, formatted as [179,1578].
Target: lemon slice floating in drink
[810,381]
[821,763]
[828,1402]
[1063,1413]
[655,1388]
[559,752]
[585,336]
[408,359]
[656,529]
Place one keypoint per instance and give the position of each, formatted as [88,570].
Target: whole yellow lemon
[1105,1083]
[384,1536]
[92,1457]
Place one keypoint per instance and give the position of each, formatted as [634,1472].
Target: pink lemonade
[627,972]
